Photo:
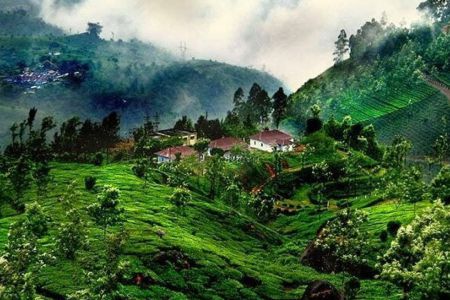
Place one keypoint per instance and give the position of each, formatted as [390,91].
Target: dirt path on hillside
[440,86]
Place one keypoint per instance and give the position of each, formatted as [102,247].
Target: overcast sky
[293,39]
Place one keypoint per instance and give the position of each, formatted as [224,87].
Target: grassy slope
[412,111]
[215,238]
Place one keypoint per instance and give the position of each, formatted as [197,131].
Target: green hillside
[384,84]
[231,255]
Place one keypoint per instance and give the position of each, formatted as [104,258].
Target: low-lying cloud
[293,39]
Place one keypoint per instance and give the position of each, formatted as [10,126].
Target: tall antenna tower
[183,49]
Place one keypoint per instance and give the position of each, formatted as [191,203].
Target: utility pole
[156,122]
[183,49]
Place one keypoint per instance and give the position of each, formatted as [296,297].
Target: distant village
[44,74]
[266,140]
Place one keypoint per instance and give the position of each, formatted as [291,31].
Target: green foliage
[201,147]
[89,182]
[344,239]
[19,178]
[181,197]
[405,186]
[175,173]
[383,236]
[115,76]
[383,84]
[36,221]
[441,148]
[280,103]
[98,159]
[440,187]
[42,177]
[438,9]
[104,283]
[351,288]
[106,211]
[20,262]
[393,227]
[72,235]
[184,124]
[215,173]
[262,206]
[342,47]
[418,259]
[219,245]
[232,195]
[20,22]
[395,156]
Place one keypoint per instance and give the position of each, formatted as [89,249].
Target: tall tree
[201,147]
[342,47]
[259,103]
[94,29]
[184,124]
[214,172]
[110,130]
[238,99]
[20,180]
[438,9]
[106,211]
[280,102]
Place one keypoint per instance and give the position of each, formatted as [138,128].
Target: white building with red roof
[170,154]
[226,144]
[271,140]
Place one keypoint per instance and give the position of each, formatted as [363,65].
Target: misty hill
[386,82]
[84,75]
[22,22]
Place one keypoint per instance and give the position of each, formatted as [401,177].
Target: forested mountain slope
[86,76]
[385,82]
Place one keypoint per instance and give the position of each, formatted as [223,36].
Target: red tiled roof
[226,143]
[273,137]
[173,151]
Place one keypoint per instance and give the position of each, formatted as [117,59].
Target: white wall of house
[255,144]
[260,146]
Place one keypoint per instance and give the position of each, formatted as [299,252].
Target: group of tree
[26,160]
[248,113]
[258,108]
[351,136]
[418,259]
[77,140]
[439,10]
[398,57]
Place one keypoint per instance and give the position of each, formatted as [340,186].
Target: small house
[226,144]
[272,140]
[188,138]
[171,154]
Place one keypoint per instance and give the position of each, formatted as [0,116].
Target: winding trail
[443,88]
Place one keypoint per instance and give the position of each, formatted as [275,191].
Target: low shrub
[98,159]
[89,182]
[351,288]
[383,236]
[393,227]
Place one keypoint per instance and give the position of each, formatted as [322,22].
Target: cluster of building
[36,79]
[267,140]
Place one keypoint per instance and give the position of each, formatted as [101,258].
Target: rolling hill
[387,85]
[210,251]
